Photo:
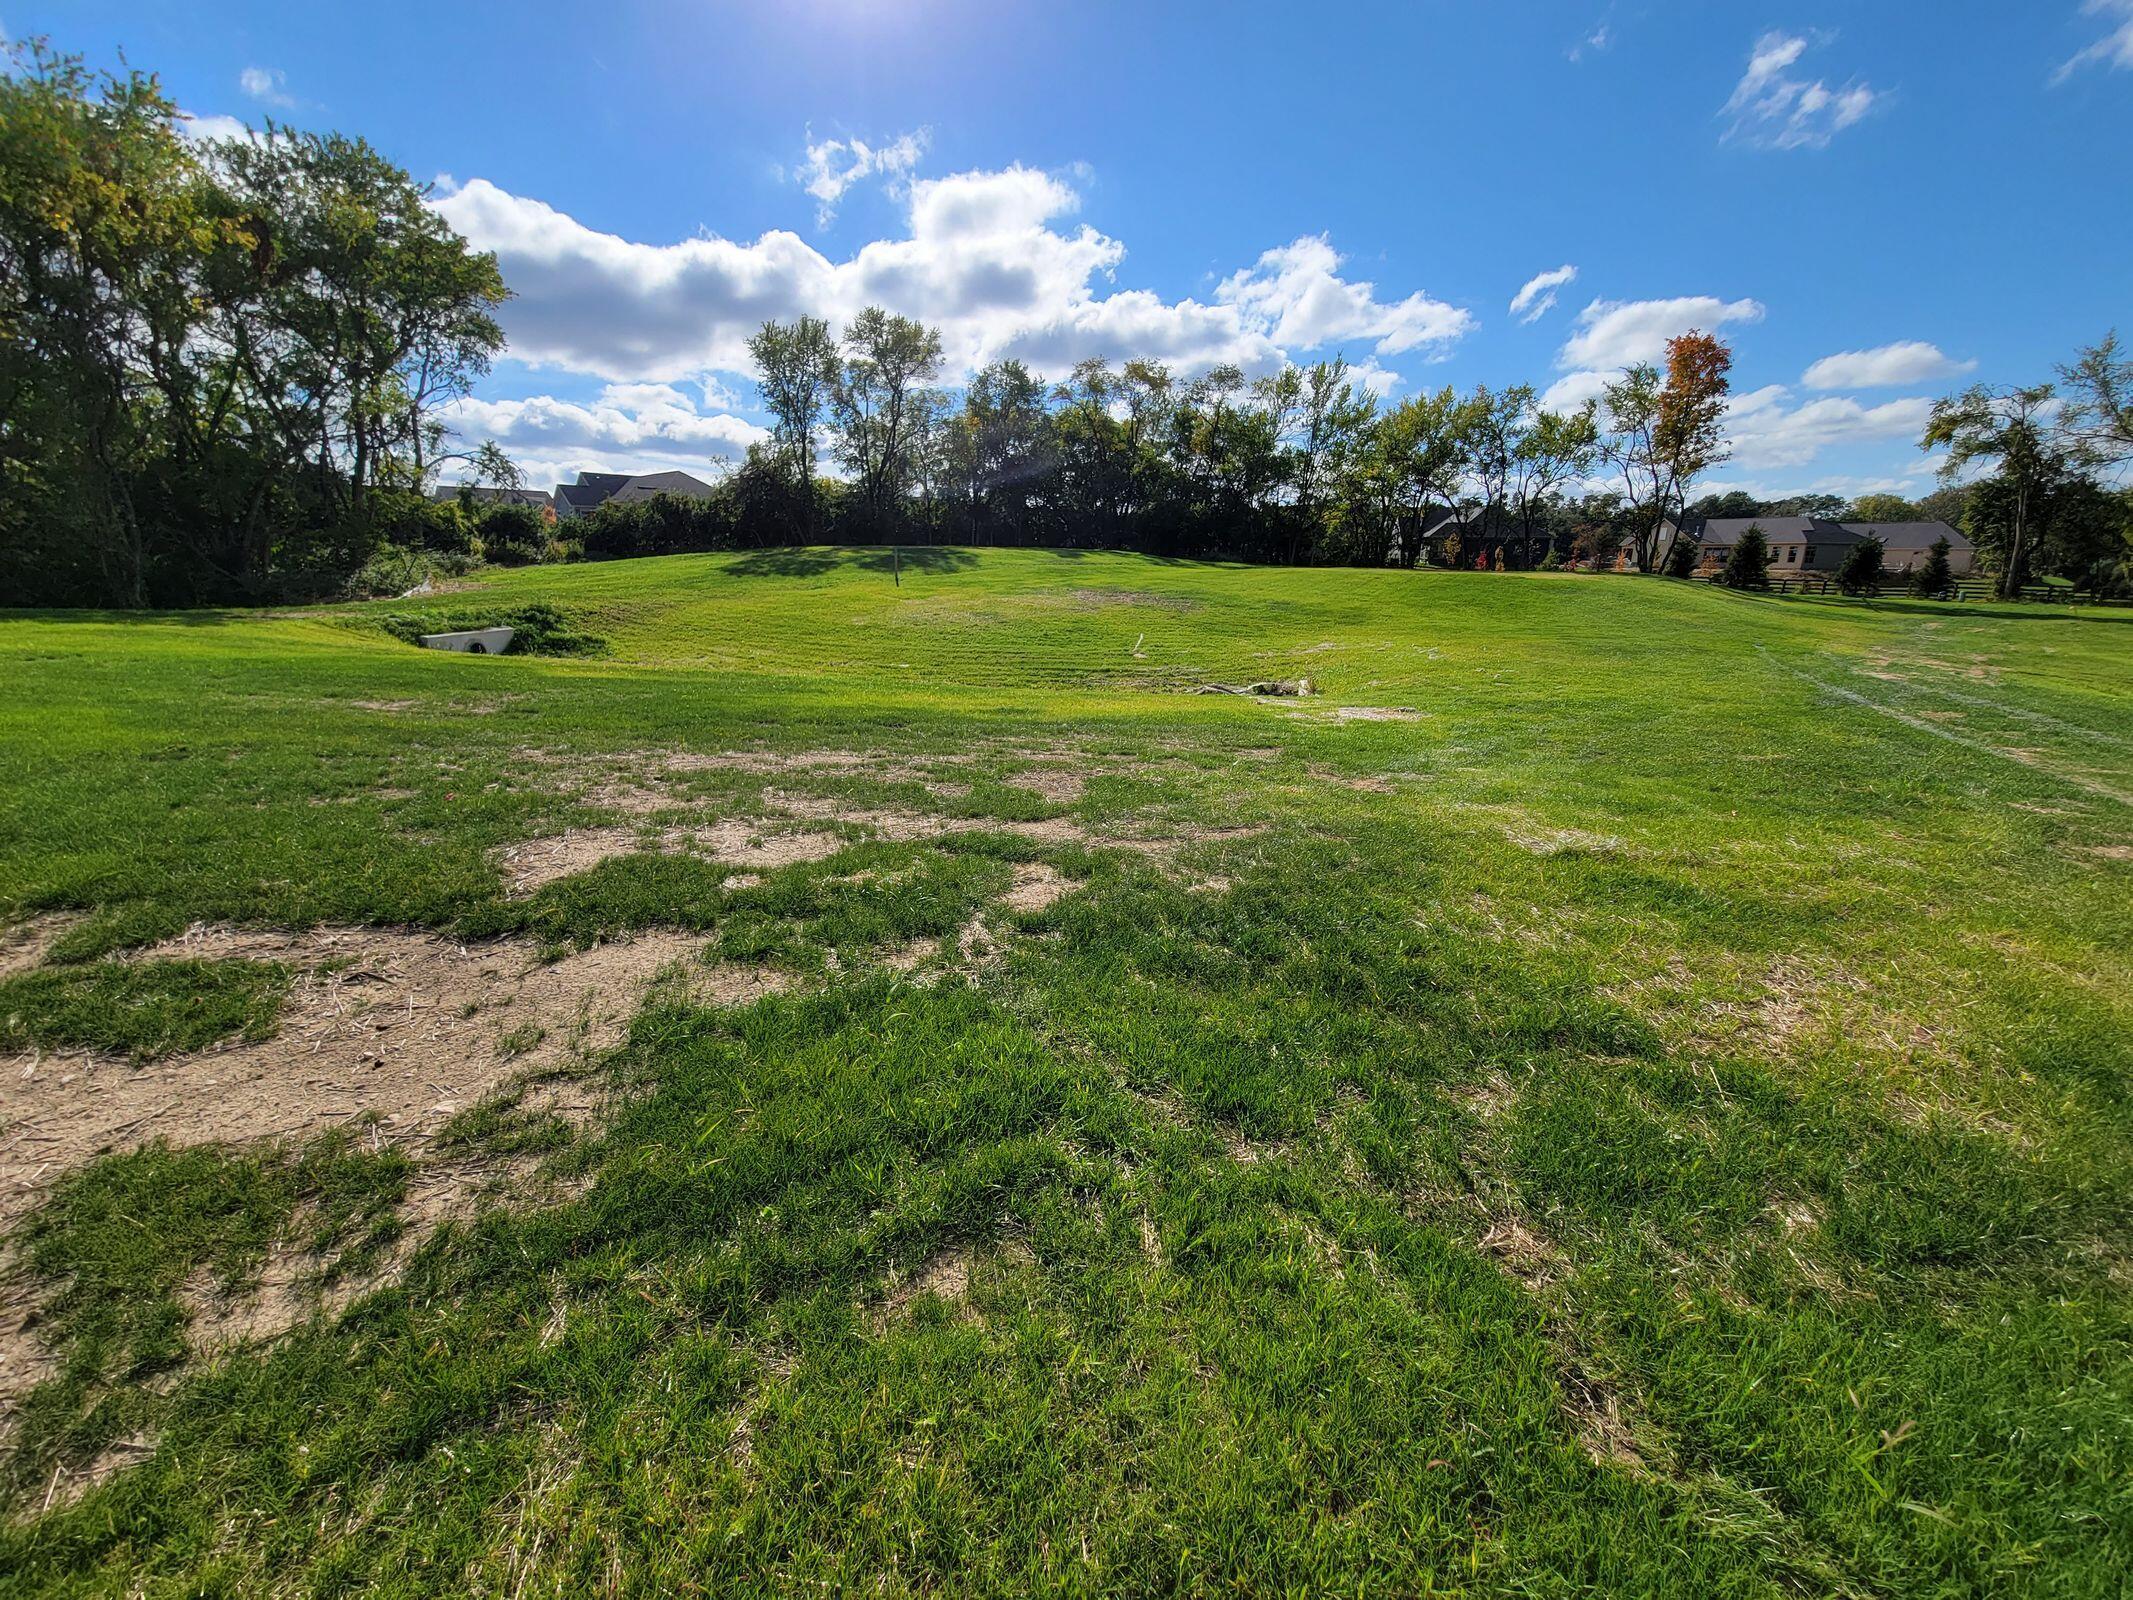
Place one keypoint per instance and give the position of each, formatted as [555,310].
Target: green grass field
[860,1085]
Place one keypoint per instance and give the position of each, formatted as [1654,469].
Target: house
[1906,546]
[494,497]
[1424,541]
[1803,545]
[597,488]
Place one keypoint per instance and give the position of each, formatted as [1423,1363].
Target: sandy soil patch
[1369,784]
[1360,714]
[743,843]
[1035,887]
[402,1026]
[533,863]
[26,944]
[1059,787]
[945,1276]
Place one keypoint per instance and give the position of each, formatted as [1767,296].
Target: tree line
[1301,465]
[221,365]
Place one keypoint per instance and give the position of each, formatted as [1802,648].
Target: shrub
[514,535]
[1681,556]
[1748,563]
[1934,579]
[1861,572]
[659,525]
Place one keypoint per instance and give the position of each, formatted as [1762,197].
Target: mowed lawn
[1626,1090]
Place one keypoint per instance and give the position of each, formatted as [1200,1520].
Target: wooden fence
[1971,590]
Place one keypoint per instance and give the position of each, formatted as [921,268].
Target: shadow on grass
[1997,610]
[812,561]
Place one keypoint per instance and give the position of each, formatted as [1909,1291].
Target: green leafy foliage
[1933,578]
[1748,562]
[1860,572]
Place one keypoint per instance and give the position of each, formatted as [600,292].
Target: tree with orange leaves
[1663,435]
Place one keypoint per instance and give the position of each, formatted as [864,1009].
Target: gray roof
[1725,531]
[597,488]
[1909,535]
[645,485]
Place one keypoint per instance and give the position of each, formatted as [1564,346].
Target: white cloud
[630,427]
[1596,41]
[203,128]
[267,86]
[1766,432]
[1537,298]
[1775,111]
[1295,294]
[2114,49]
[1885,366]
[1573,389]
[1373,379]
[834,165]
[986,258]
[1612,334]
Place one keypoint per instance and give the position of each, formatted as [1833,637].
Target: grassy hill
[861,1083]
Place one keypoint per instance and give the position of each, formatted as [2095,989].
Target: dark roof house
[1816,544]
[597,488]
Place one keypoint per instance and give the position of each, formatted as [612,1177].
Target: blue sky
[1873,203]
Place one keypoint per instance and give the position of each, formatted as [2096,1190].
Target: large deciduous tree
[796,373]
[2006,429]
[1667,431]
[211,355]
[888,361]
[1555,448]
[2097,421]
[107,225]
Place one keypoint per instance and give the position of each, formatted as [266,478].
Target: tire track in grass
[1854,697]
[2042,719]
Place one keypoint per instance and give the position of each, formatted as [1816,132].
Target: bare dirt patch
[26,944]
[533,863]
[1366,785]
[2109,852]
[1367,714]
[908,827]
[1036,886]
[750,844]
[288,1289]
[1059,787]
[1523,1253]
[945,1276]
[401,1026]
